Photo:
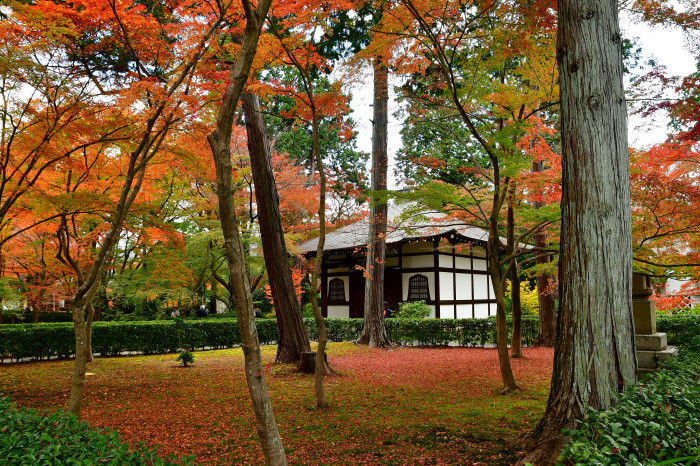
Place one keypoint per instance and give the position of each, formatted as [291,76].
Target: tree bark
[595,349]
[220,142]
[516,342]
[293,339]
[501,330]
[374,331]
[546,318]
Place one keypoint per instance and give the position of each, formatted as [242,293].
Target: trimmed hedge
[27,437]
[43,341]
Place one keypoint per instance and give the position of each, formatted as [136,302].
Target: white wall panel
[480,286]
[464,286]
[481,311]
[445,261]
[339,312]
[464,311]
[446,287]
[480,264]
[463,263]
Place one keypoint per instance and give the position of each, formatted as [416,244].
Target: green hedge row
[59,438]
[42,341]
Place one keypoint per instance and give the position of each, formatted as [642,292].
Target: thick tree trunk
[546,319]
[374,331]
[220,142]
[595,349]
[516,342]
[293,339]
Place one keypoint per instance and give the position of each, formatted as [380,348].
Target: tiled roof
[356,234]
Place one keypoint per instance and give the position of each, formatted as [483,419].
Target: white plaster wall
[447,311]
[480,264]
[445,261]
[481,282]
[340,312]
[492,295]
[432,311]
[418,261]
[346,282]
[463,263]
[481,311]
[431,284]
[464,311]
[446,288]
[464,287]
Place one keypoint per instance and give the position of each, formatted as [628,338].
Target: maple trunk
[293,339]
[501,329]
[88,332]
[595,349]
[77,385]
[320,362]
[516,342]
[374,331]
[220,143]
[546,318]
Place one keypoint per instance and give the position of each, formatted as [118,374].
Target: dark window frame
[336,295]
[418,291]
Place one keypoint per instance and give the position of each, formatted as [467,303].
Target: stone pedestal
[652,347]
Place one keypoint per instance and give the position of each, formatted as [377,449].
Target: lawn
[406,405]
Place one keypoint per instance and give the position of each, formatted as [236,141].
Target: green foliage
[464,332]
[28,317]
[657,421]
[186,357]
[679,328]
[27,437]
[413,310]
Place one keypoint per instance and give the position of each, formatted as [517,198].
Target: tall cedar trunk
[595,349]
[516,342]
[546,315]
[220,142]
[293,339]
[501,329]
[374,331]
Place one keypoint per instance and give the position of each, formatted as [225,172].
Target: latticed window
[418,288]
[336,291]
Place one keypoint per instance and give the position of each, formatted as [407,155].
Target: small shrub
[657,421]
[186,357]
[413,310]
[27,437]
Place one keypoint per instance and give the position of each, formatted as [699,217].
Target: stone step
[652,359]
[654,342]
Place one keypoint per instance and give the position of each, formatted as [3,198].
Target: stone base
[652,359]
[655,342]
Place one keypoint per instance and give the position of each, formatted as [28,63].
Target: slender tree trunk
[595,349]
[374,331]
[88,332]
[546,319]
[501,329]
[320,365]
[516,342]
[293,339]
[220,142]
[77,386]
